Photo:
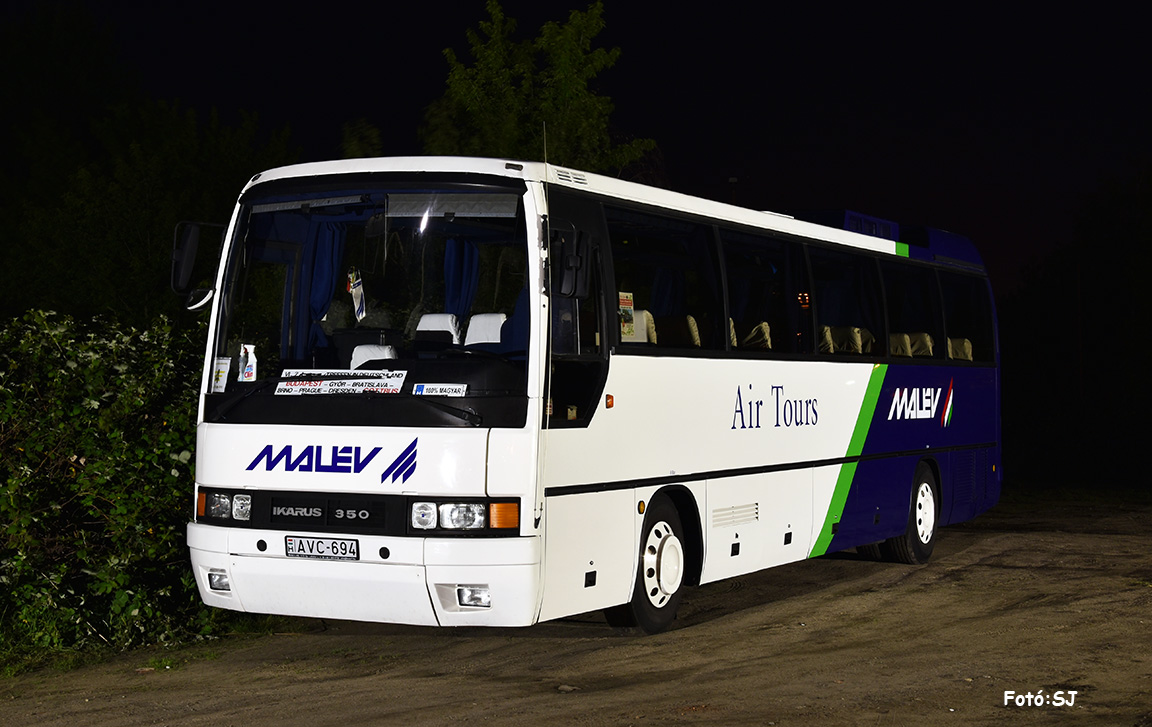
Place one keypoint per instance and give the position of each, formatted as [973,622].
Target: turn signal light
[504,515]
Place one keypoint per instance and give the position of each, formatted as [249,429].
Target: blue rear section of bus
[911,424]
[945,415]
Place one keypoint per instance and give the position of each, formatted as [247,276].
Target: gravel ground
[1055,596]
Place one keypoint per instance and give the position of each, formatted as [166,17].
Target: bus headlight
[500,517]
[462,515]
[224,506]
[242,507]
[424,515]
[219,505]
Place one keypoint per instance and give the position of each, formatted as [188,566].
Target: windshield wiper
[244,394]
[467,415]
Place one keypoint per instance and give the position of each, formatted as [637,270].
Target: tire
[871,551]
[660,572]
[915,545]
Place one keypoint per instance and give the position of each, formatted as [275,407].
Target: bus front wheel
[915,545]
[659,572]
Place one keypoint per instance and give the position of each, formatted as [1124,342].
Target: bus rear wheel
[915,545]
[660,572]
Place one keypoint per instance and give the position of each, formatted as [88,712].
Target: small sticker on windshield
[220,374]
[440,389]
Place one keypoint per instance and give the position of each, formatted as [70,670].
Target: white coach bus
[448,391]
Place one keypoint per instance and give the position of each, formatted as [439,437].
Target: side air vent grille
[726,517]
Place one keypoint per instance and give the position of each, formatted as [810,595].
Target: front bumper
[396,580]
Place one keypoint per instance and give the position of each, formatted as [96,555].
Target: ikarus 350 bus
[448,391]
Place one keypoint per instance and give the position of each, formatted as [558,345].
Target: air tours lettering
[783,412]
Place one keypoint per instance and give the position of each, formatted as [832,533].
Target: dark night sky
[991,123]
[1008,126]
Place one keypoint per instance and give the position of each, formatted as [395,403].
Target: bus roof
[917,243]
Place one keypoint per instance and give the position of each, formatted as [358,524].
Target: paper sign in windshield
[348,382]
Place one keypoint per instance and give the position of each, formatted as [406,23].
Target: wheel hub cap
[925,512]
[663,564]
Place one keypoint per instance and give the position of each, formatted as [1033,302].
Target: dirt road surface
[1031,596]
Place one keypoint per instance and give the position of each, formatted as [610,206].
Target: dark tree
[518,94]
[97,175]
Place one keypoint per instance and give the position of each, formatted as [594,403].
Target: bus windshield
[373,304]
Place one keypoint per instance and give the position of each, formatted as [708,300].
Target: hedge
[97,428]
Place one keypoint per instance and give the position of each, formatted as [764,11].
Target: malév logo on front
[334,459]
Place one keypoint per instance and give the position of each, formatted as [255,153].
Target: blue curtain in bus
[286,255]
[739,296]
[327,242]
[461,277]
[669,293]
[316,279]
[279,237]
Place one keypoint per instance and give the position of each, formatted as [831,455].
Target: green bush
[97,428]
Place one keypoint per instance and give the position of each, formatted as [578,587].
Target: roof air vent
[565,175]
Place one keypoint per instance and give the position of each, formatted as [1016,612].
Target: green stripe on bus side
[848,469]
[902,249]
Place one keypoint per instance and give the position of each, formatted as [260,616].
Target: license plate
[323,548]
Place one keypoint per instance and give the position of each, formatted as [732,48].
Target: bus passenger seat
[484,328]
[364,353]
[758,336]
[840,339]
[900,344]
[845,339]
[438,327]
[825,344]
[960,348]
[922,343]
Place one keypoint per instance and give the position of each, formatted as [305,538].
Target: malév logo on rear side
[920,403]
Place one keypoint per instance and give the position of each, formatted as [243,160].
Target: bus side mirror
[571,266]
[185,273]
[186,240]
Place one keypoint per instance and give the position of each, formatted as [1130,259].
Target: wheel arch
[685,503]
[942,497]
[911,547]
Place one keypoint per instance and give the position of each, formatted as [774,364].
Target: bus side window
[765,297]
[847,304]
[914,325]
[669,269]
[578,367]
[576,322]
[967,318]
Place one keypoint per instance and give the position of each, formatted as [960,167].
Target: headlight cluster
[368,514]
[465,515]
[223,505]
